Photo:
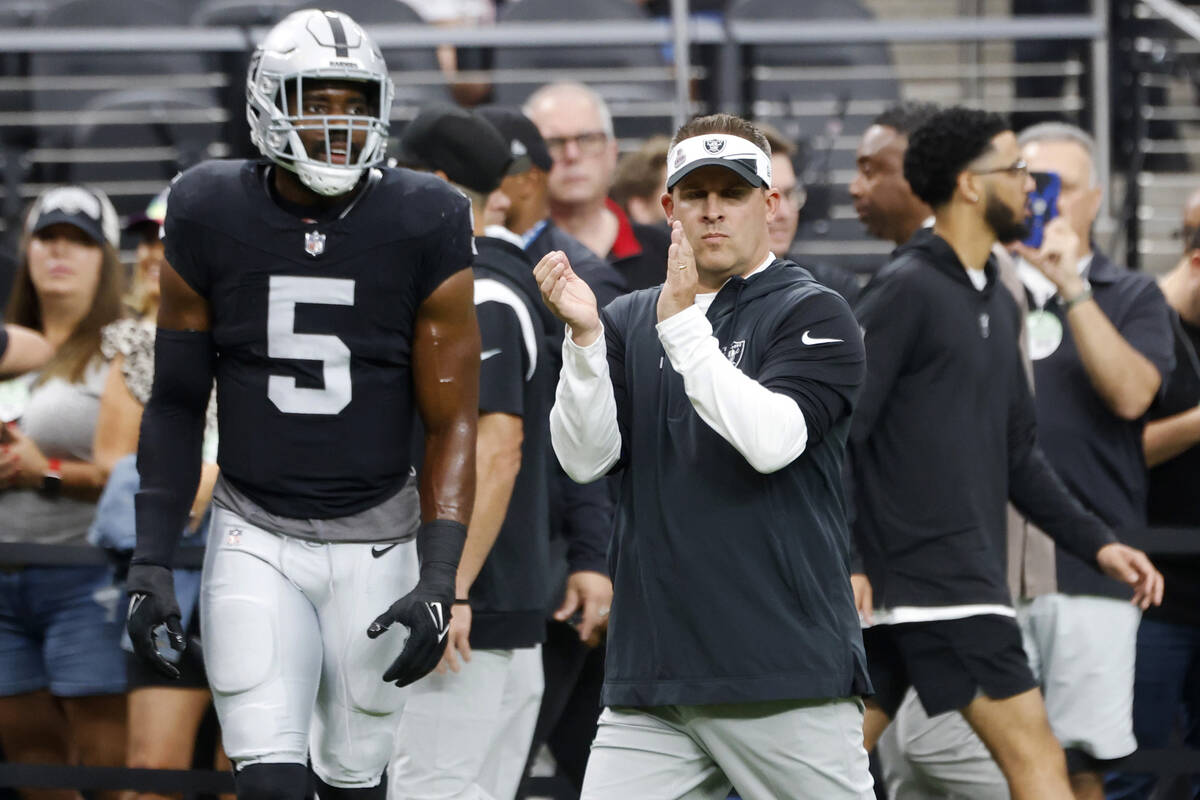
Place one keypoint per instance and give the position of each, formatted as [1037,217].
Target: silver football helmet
[320,45]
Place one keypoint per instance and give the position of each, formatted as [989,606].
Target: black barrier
[156,781]
[28,554]
[161,781]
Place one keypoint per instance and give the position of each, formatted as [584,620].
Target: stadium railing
[721,75]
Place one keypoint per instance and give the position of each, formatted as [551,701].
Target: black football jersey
[313,325]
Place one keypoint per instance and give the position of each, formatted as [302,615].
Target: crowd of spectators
[1111,355]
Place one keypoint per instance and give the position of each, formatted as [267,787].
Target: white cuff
[583,422]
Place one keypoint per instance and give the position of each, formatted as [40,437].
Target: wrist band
[1084,295]
[461,601]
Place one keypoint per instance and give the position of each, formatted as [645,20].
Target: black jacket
[945,434]
[731,585]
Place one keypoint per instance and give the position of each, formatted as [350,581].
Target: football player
[331,299]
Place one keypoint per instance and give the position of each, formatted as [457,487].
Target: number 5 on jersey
[283,342]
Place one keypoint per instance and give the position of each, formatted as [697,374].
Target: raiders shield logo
[314,243]
[734,351]
[714,146]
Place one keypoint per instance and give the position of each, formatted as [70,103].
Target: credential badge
[714,146]
[735,350]
[314,243]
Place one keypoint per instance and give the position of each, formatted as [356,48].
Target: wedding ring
[602,611]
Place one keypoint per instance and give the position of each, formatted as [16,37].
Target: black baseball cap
[458,142]
[525,142]
[85,208]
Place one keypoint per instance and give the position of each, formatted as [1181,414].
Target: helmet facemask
[347,145]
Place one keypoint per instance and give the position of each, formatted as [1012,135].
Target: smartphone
[1043,206]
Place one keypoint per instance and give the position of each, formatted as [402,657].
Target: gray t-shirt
[60,417]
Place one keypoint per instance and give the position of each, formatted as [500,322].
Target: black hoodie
[945,433]
[731,585]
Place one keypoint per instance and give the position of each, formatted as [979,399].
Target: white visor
[738,154]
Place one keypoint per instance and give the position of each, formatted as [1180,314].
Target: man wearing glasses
[578,129]
[943,436]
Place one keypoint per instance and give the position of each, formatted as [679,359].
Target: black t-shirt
[516,376]
[1173,484]
[1099,455]
[313,322]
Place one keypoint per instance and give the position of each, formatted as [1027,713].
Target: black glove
[152,605]
[425,611]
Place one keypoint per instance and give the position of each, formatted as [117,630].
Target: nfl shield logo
[735,350]
[714,146]
[314,243]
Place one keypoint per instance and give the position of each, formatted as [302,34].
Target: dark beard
[1007,226]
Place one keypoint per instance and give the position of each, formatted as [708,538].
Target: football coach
[723,399]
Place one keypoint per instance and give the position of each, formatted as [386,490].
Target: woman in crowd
[164,714]
[62,674]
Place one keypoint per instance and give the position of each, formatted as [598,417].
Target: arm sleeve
[169,445]
[583,422]
[503,362]
[448,248]
[1037,491]
[801,390]
[889,314]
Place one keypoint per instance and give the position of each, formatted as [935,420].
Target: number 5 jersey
[312,319]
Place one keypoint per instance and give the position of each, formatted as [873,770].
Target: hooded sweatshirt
[731,580]
[944,434]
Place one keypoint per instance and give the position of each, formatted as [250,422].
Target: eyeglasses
[1016,168]
[589,144]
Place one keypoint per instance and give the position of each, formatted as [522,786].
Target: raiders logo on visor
[732,152]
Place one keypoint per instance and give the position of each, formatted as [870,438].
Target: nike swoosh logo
[439,620]
[486,354]
[807,339]
[135,603]
[379,551]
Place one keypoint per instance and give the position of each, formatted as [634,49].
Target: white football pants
[293,674]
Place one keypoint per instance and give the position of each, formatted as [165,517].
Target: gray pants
[939,757]
[767,751]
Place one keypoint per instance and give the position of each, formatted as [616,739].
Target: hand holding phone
[1043,206]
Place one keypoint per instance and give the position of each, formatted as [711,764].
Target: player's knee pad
[272,782]
[327,792]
